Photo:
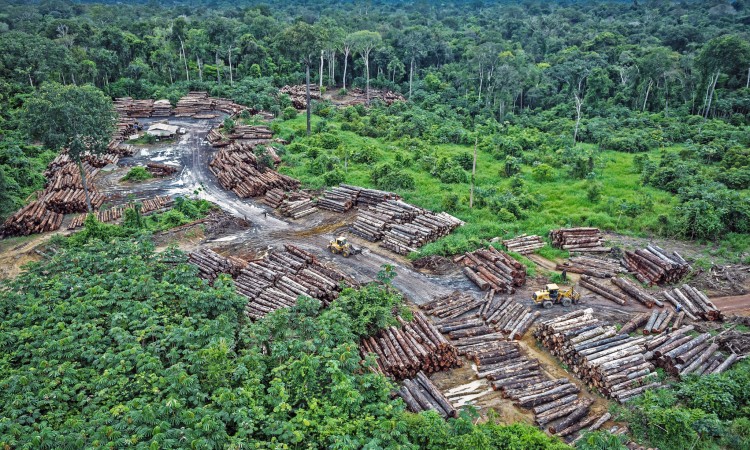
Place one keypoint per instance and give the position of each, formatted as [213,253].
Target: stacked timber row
[371,223]
[555,403]
[424,228]
[595,267]
[524,244]
[415,346]
[636,292]
[344,197]
[656,322]
[297,205]
[162,108]
[160,170]
[681,354]
[298,94]
[197,102]
[148,206]
[211,264]
[128,107]
[492,269]
[652,265]
[277,280]
[274,197]
[32,218]
[359,97]
[218,137]
[237,169]
[603,290]
[615,364]
[420,394]
[694,302]
[469,322]
[581,239]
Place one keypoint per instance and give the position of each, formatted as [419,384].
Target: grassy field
[624,205]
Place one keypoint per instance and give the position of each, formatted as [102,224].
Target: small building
[162,130]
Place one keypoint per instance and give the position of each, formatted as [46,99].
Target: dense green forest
[632,116]
[634,113]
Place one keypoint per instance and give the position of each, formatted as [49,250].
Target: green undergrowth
[503,206]
[137,173]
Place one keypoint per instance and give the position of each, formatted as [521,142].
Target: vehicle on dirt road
[341,246]
[553,295]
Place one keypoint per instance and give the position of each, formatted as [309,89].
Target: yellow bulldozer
[341,246]
[553,295]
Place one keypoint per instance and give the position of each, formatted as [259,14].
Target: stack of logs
[196,102]
[694,302]
[359,97]
[281,277]
[469,322]
[237,169]
[160,170]
[64,191]
[162,108]
[680,354]
[344,197]
[579,240]
[652,265]
[217,137]
[655,323]
[112,214]
[298,94]
[211,264]
[492,269]
[413,347]
[32,218]
[611,362]
[290,204]
[420,394]
[524,244]
[127,106]
[595,267]
[554,402]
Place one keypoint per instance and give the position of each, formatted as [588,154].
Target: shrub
[594,191]
[388,177]
[289,113]
[543,172]
[137,173]
[334,177]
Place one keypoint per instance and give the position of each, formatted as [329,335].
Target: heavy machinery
[340,245]
[553,295]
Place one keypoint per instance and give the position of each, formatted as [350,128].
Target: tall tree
[728,55]
[346,46]
[80,119]
[301,41]
[364,42]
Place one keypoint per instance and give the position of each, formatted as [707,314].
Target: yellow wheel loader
[553,295]
[342,247]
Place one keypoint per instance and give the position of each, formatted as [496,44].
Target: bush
[543,172]
[289,113]
[137,173]
[594,191]
[334,177]
[388,177]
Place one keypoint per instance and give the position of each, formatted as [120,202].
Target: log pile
[277,280]
[583,239]
[595,267]
[218,137]
[211,264]
[636,292]
[297,206]
[359,97]
[694,302]
[492,269]
[162,108]
[32,218]
[148,206]
[471,323]
[415,346]
[298,94]
[615,364]
[680,354]
[192,104]
[524,244]
[652,265]
[160,170]
[420,394]
[344,197]
[237,169]
[128,107]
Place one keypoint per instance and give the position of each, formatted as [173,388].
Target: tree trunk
[184,58]
[366,57]
[648,90]
[346,60]
[200,68]
[411,75]
[579,105]
[85,185]
[307,86]
[218,72]
[473,173]
[321,71]
[481,80]
[747,85]
[231,78]
[711,96]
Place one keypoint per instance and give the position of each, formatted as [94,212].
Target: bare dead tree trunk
[321,71]
[747,85]
[85,185]
[648,90]
[579,105]
[231,78]
[366,57]
[712,88]
[307,85]
[481,80]
[473,173]
[411,74]
[200,68]
[184,58]
[346,60]
[218,71]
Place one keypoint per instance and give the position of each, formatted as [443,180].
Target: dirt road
[736,304]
